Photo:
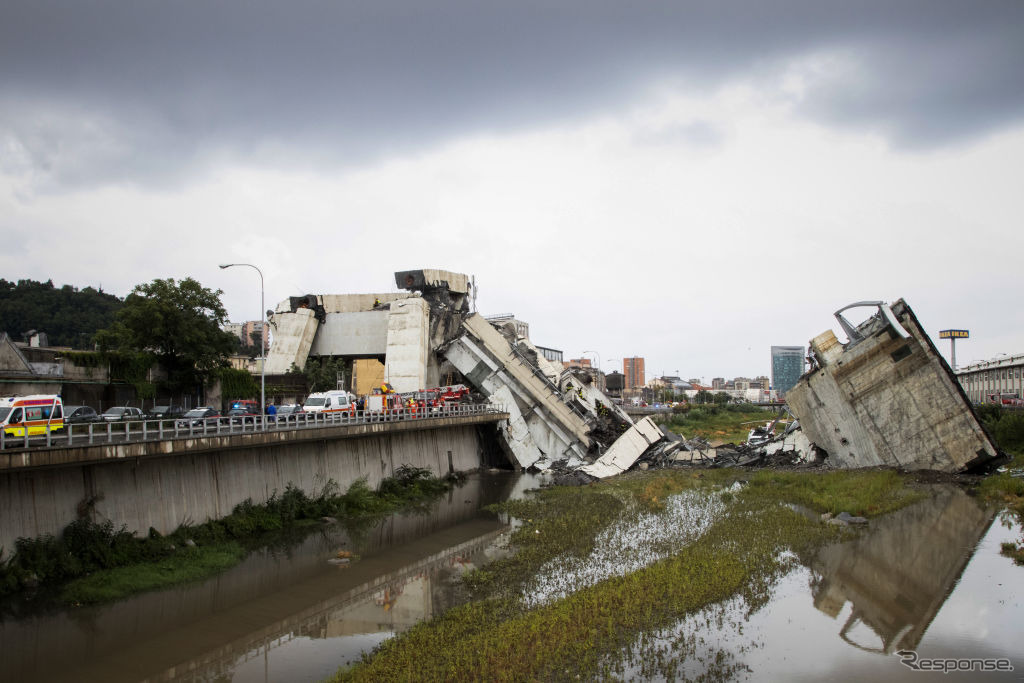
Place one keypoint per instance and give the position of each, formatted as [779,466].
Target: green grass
[561,520]
[190,564]
[719,424]
[1007,491]
[864,493]
[584,635]
[1007,429]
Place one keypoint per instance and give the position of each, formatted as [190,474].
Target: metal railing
[134,431]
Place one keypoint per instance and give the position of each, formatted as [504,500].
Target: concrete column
[405,363]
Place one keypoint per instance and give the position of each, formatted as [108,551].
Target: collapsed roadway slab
[540,424]
[626,450]
[887,397]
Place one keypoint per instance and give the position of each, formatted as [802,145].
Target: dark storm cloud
[91,91]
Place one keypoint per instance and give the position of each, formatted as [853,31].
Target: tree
[180,323]
[68,316]
[252,349]
[322,373]
[703,396]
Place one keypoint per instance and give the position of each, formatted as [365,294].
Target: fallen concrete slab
[696,456]
[887,397]
[626,450]
[542,426]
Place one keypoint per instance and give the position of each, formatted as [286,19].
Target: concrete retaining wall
[164,492]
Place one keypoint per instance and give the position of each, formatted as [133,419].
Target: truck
[382,404]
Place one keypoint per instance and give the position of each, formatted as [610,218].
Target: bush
[1009,431]
[1005,426]
[989,414]
[411,482]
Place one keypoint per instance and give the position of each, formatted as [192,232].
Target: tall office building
[787,366]
[633,369]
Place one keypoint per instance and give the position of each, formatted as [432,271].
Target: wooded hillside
[69,316]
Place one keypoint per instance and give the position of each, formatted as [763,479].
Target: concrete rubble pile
[556,417]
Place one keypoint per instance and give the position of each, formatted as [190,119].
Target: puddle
[927,579]
[628,546]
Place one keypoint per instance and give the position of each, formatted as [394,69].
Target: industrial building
[993,381]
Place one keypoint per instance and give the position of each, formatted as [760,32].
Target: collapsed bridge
[427,336]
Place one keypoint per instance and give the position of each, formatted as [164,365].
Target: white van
[329,402]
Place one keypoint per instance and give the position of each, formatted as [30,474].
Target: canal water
[285,613]
[927,580]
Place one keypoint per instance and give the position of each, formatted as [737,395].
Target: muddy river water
[927,580]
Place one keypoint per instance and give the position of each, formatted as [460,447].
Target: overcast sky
[687,182]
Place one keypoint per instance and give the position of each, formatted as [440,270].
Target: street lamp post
[599,370]
[621,390]
[263,333]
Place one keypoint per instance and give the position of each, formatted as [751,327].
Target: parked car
[122,413]
[80,415]
[241,416]
[165,412]
[290,412]
[197,417]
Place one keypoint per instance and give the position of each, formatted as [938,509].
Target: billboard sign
[954,334]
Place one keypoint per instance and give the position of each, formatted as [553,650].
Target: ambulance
[330,402]
[36,414]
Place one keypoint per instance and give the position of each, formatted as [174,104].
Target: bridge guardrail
[134,431]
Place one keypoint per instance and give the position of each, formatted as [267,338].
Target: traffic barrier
[134,431]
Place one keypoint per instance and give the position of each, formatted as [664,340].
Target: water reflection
[899,574]
[268,613]
[929,578]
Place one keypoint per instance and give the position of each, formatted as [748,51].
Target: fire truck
[453,393]
[382,402]
[1005,400]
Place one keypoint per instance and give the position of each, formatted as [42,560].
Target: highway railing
[133,431]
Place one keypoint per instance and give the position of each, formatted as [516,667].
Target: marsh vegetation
[718,424]
[569,603]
